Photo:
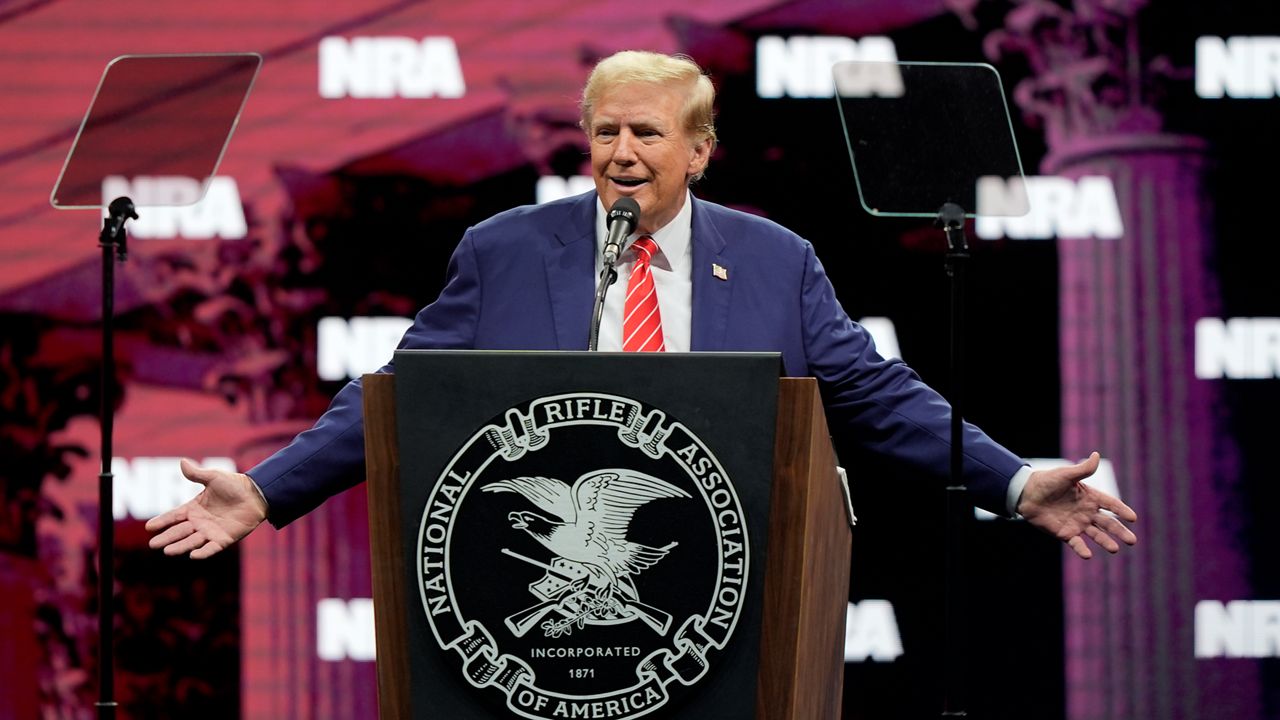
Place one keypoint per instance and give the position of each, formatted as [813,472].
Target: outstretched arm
[1057,502]
[228,508]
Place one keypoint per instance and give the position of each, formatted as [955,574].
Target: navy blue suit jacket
[524,280]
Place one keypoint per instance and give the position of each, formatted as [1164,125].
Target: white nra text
[171,207]
[390,67]
[802,67]
[1059,208]
[1238,67]
[1238,629]
[1240,348]
[143,487]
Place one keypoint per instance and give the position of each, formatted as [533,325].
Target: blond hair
[639,66]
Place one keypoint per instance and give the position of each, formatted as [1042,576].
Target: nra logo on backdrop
[1238,67]
[1060,207]
[871,632]
[801,67]
[390,67]
[143,487]
[1238,349]
[344,629]
[349,348]
[554,187]
[1238,629]
[168,207]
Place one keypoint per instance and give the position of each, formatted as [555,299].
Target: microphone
[622,220]
[623,217]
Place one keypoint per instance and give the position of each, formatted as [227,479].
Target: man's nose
[624,151]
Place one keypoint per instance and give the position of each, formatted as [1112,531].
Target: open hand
[1057,502]
[228,508]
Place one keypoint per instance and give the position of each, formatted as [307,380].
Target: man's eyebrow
[646,124]
[637,123]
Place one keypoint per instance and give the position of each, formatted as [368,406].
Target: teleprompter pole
[112,240]
[959,509]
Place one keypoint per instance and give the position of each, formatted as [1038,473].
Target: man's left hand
[1057,502]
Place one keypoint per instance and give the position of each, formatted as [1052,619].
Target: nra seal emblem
[583,556]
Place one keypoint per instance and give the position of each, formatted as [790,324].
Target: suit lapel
[710,292]
[571,275]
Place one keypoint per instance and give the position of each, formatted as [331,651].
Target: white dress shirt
[672,272]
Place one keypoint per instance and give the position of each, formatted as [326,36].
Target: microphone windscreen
[625,207]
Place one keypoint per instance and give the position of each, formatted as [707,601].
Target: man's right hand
[228,508]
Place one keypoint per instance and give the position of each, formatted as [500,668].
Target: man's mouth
[629,182]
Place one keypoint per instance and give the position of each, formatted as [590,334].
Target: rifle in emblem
[561,589]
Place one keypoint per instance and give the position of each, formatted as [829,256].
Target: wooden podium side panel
[807,583]
[383,471]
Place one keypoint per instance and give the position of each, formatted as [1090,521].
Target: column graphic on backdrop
[1129,386]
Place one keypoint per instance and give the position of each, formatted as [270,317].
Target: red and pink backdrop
[1134,312]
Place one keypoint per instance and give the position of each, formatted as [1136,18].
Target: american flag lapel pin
[719,271]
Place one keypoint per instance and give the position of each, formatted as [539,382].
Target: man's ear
[701,156]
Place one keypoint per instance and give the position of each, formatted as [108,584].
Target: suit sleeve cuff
[1016,486]
[258,490]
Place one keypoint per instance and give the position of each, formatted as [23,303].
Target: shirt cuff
[267,505]
[1016,485]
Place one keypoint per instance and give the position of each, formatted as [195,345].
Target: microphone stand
[951,220]
[113,241]
[608,276]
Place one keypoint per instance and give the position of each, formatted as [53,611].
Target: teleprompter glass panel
[920,135]
[157,128]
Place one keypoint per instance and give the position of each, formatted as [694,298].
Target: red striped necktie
[641,319]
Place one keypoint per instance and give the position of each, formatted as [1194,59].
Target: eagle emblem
[590,580]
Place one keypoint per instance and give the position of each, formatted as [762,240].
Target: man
[722,280]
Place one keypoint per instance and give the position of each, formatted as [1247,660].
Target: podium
[469,500]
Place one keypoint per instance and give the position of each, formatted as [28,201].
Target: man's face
[639,149]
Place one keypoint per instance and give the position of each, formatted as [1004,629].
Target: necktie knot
[645,248]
